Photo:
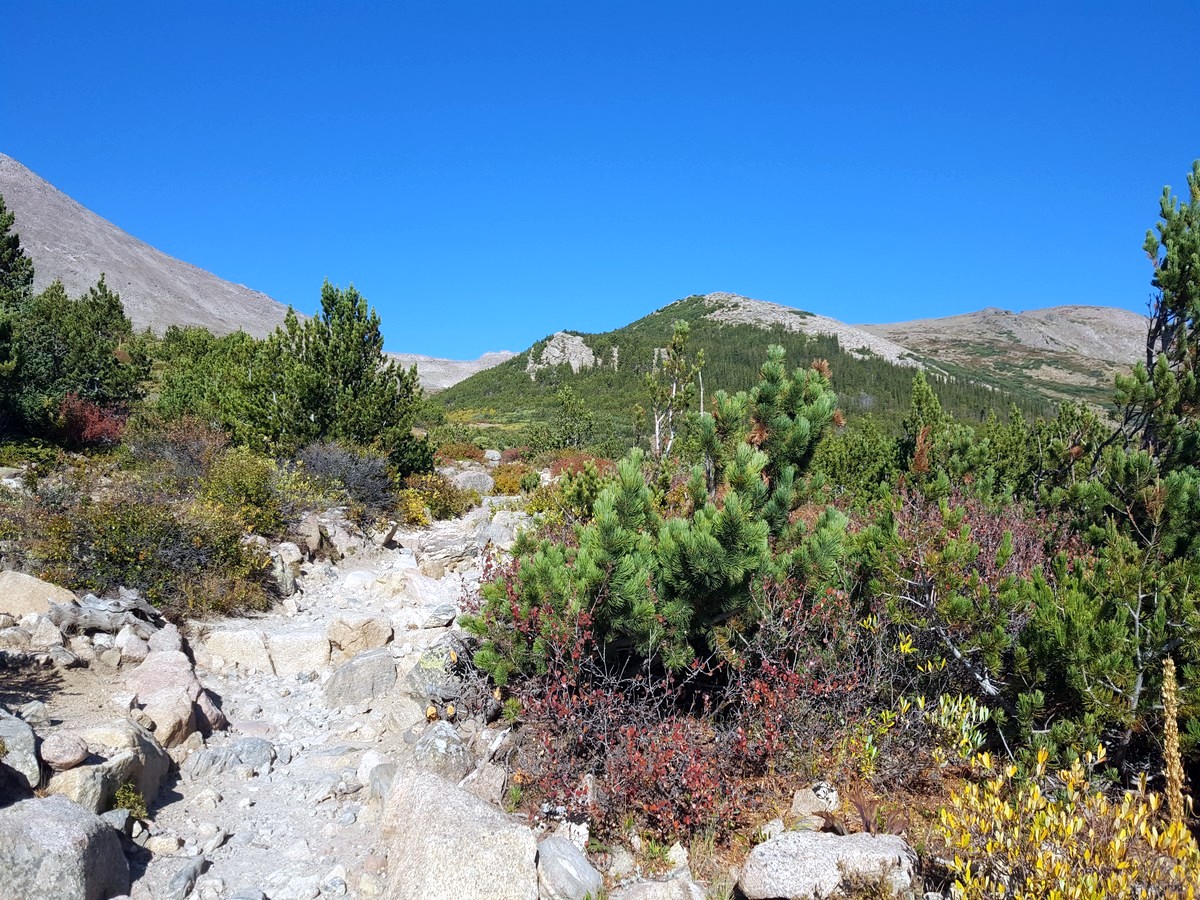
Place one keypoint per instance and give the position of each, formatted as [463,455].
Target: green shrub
[511,478]
[444,500]
[184,448]
[186,558]
[129,797]
[244,482]
[455,450]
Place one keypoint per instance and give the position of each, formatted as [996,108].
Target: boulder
[365,678]
[285,567]
[45,634]
[64,750]
[245,647]
[127,753]
[501,529]
[432,678]
[51,847]
[798,865]
[355,634]
[14,638]
[21,594]
[443,842]
[166,688]
[20,746]
[257,753]
[564,873]
[294,652]
[678,887]
[473,480]
[166,638]
[491,457]
[440,750]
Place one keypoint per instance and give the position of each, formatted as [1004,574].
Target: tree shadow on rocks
[22,680]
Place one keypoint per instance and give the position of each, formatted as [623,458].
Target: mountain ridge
[69,242]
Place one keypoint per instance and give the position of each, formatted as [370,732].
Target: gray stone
[51,847]
[14,638]
[45,635]
[491,457]
[356,634]
[564,873]
[255,753]
[285,567]
[63,750]
[364,679]
[442,842]
[182,882]
[473,480]
[35,713]
[432,678]
[440,750]
[20,749]
[120,820]
[379,782]
[166,638]
[21,594]
[678,887]
[487,783]
[244,647]
[298,651]
[440,616]
[798,865]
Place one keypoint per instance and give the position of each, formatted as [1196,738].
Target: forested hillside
[732,357]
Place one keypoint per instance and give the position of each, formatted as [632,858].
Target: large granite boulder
[166,689]
[364,679]
[20,749]
[799,865]
[51,847]
[21,594]
[440,750]
[443,842]
[564,873]
[124,752]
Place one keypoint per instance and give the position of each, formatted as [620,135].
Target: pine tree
[16,269]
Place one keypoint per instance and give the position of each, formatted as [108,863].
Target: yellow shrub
[1010,839]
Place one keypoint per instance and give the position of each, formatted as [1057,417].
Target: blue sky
[487,173]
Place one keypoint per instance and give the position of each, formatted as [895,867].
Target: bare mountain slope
[438,374]
[1066,351]
[73,244]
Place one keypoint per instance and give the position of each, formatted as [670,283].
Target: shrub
[444,500]
[452,451]
[411,508]
[186,447]
[129,797]
[184,558]
[363,474]
[512,478]
[575,463]
[84,423]
[1012,837]
[244,482]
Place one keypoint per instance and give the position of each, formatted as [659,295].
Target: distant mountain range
[1035,357]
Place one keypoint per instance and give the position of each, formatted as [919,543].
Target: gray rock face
[432,679]
[564,873]
[257,753]
[245,647]
[51,847]
[799,865]
[21,749]
[440,750]
[442,842]
[361,680]
[127,753]
[75,245]
[298,651]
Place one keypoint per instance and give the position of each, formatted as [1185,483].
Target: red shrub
[574,462]
[82,423]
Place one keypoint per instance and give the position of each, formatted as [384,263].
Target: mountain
[1065,352]
[871,371]
[438,374]
[69,242]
